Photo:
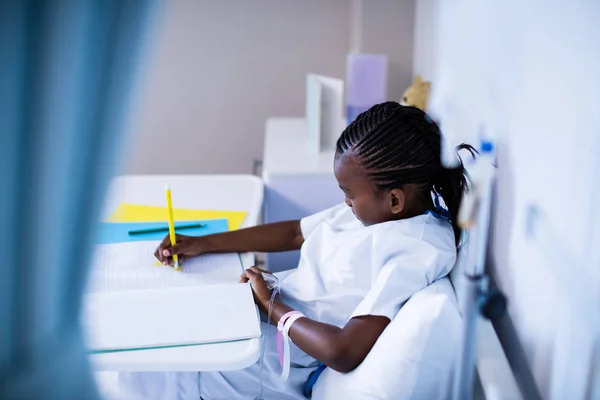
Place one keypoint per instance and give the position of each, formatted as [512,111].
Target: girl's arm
[279,236]
[341,349]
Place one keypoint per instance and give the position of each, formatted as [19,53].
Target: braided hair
[399,145]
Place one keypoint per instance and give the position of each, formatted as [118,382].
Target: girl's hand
[262,294]
[186,246]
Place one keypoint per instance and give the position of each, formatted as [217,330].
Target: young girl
[360,261]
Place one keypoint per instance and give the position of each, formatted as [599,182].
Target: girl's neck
[416,203]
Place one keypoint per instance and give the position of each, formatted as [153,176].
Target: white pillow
[412,359]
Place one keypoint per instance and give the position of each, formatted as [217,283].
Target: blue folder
[117,232]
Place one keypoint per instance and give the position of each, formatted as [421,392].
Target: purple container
[366,82]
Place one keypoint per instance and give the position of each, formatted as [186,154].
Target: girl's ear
[397,200]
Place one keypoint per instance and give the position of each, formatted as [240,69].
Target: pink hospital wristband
[286,359]
[284,318]
[288,323]
[280,325]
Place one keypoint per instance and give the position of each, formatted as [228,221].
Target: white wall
[388,28]
[221,67]
[526,71]
[425,38]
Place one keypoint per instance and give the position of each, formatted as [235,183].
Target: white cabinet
[297,182]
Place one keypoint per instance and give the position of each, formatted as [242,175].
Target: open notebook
[134,304]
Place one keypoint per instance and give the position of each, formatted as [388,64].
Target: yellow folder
[140,213]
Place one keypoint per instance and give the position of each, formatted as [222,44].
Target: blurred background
[219,69]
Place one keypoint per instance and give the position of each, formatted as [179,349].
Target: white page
[313,112]
[130,265]
[332,103]
[138,319]
[133,303]
[324,111]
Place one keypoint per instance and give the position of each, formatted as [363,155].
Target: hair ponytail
[451,184]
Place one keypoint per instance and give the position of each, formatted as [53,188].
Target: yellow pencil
[171,225]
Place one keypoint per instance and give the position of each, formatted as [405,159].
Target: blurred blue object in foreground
[67,70]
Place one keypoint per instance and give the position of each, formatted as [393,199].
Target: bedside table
[297,181]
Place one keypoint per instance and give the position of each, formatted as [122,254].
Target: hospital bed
[416,355]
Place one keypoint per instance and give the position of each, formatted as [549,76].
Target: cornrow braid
[399,145]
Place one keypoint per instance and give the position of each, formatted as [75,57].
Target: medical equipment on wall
[474,219]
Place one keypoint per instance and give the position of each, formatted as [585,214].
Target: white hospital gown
[345,270]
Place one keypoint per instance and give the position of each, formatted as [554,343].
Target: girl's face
[368,204]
